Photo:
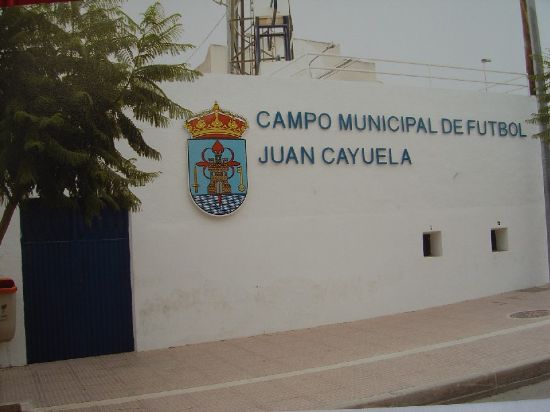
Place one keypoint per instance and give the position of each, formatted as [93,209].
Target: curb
[460,390]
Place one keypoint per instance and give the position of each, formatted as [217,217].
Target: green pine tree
[74,78]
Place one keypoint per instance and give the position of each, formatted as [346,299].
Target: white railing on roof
[323,66]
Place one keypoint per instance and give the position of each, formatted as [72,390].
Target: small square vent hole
[499,239]
[432,243]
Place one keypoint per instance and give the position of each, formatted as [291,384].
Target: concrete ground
[443,354]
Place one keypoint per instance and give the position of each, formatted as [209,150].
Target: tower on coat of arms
[217,160]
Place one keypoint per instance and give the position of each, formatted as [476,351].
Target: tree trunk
[6,218]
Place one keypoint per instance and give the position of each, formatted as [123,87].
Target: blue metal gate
[76,283]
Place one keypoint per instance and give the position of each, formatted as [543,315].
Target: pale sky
[450,32]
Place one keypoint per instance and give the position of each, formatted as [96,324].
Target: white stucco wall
[13,353]
[319,244]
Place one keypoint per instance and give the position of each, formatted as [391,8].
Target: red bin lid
[7,286]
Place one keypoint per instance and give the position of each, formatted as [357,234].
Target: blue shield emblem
[218,180]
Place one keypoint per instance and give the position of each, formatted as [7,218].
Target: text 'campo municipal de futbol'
[361,123]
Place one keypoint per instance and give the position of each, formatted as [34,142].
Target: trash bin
[7,309]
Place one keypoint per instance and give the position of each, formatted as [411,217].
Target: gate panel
[76,283]
[104,263]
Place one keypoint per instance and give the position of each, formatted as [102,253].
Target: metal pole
[229,16]
[536,49]
[483,62]
[526,21]
[241,21]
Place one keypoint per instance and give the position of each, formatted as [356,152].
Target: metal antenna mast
[240,37]
[252,39]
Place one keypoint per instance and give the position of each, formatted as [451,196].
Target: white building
[364,199]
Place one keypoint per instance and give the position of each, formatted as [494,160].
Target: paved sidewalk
[428,356]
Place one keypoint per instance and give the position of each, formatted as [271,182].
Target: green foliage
[543,88]
[74,78]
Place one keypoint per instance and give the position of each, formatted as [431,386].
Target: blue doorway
[76,283]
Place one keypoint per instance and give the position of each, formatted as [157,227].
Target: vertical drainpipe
[531,38]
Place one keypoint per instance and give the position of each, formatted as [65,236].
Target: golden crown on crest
[216,123]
